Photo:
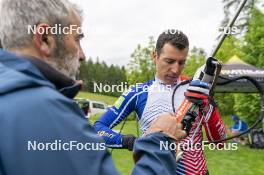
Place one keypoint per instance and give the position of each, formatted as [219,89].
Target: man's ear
[154,56]
[43,40]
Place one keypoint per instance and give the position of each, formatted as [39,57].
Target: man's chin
[171,80]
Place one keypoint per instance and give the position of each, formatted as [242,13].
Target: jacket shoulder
[184,77]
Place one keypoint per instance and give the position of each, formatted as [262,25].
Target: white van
[90,107]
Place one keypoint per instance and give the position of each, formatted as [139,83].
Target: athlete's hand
[198,92]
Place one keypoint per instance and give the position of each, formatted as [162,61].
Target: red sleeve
[214,126]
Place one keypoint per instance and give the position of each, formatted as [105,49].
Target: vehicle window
[98,105]
[83,103]
[86,104]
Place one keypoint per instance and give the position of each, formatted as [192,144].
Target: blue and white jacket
[149,100]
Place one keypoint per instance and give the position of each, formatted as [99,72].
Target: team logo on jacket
[119,101]
[105,134]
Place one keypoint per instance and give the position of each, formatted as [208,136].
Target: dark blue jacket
[32,110]
[239,126]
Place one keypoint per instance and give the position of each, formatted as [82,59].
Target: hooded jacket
[43,131]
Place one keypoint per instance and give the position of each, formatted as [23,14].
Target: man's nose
[81,54]
[175,68]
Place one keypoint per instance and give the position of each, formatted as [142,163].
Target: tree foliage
[249,48]
[141,67]
[253,48]
[195,60]
[230,47]
[231,6]
[248,105]
[96,73]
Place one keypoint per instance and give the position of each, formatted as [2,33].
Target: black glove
[128,142]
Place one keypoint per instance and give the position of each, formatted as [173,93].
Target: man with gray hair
[42,130]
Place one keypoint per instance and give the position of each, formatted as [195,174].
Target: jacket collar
[63,83]
[39,69]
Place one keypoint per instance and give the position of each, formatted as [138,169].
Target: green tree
[141,68]
[230,47]
[86,72]
[248,105]
[195,60]
[100,73]
[253,48]
[230,7]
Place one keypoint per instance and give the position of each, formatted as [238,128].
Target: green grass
[243,161]
[97,97]
[123,158]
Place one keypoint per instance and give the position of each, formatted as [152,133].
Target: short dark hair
[175,37]
[0,45]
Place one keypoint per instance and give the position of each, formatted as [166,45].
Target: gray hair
[17,15]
